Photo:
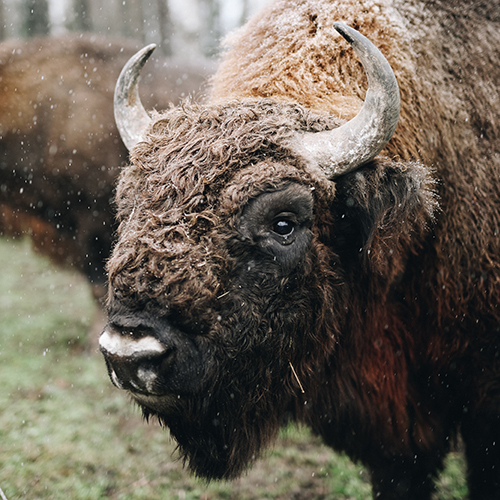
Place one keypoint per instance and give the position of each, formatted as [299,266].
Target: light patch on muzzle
[127,346]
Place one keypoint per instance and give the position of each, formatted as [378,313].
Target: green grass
[67,433]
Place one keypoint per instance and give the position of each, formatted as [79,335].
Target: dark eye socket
[283,227]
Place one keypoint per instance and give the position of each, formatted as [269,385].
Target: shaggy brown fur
[60,151]
[385,304]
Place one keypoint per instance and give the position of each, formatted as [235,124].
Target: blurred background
[186,28]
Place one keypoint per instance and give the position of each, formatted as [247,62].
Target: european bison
[60,152]
[279,258]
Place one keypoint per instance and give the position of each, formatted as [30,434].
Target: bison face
[164,345]
[213,281]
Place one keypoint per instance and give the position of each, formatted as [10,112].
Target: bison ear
[381,212]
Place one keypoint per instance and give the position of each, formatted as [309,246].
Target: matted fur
[390,316]
[182,166]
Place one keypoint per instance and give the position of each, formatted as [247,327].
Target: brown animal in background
[60,152]
[280,258]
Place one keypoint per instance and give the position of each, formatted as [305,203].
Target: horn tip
[145,52]
[344,30]
[149,48]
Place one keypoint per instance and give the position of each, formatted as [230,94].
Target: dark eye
[283,227]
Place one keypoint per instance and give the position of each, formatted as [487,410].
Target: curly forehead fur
[178,173]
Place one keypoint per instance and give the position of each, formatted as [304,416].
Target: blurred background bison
[60,152]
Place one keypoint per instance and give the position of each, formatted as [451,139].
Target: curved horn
[130,116]
[358,141]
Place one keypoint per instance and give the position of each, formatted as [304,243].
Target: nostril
[134,364]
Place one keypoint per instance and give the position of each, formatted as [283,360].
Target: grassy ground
[66,433]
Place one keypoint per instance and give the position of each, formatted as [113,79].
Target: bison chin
[221,414]
[219,434]
[216,438]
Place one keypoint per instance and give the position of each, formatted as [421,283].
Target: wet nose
[134,362]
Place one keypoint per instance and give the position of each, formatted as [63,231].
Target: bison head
[240,227]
